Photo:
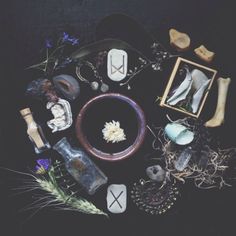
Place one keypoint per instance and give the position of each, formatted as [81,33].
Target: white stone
[117,64]
[116,198]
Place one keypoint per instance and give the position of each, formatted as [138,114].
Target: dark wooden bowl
[110,106]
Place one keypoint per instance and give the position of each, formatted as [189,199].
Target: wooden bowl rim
[132,149]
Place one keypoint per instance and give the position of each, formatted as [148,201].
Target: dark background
[24,26]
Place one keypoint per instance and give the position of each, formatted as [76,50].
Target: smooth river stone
[156,173]
[67,85]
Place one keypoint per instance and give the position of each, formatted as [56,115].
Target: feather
[182,91]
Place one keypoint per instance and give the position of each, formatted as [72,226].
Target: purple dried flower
[67,38]
[42,166]
[74,41]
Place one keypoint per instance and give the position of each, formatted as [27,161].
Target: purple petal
[45,163]
[37,168]
[65,36]
[69,39]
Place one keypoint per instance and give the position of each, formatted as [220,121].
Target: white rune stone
[116,198]
[117,64]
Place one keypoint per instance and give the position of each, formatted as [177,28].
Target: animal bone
[218,118]
[179,40]
[204,54]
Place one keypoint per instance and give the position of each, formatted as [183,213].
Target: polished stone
[116,198]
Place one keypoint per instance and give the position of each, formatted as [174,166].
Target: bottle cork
[27,115]
[25,112]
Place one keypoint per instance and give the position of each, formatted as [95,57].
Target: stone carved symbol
[116,199]
[117,64]
[120,69]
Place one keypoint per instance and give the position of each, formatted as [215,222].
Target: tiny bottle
[35,132]
[79,165]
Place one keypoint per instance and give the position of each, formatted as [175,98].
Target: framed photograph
[188,87]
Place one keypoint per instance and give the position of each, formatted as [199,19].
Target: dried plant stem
[210,176]
[55,196]
[72,202]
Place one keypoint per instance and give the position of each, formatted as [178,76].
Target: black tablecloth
[24,26]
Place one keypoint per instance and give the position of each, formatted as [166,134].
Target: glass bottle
[79,165]
[35,132]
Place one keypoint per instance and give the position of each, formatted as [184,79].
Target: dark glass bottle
[79,165]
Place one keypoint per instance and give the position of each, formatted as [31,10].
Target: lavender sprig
[56,55]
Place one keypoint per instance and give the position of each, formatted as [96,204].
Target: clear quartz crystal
[183,160]
[79,165]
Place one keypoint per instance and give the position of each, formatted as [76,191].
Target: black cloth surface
[25,24]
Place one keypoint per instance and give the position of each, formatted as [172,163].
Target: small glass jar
[79,165]
[35,132]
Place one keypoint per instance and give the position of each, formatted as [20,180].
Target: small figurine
[61,111]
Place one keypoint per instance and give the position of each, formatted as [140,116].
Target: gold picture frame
[180,63]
